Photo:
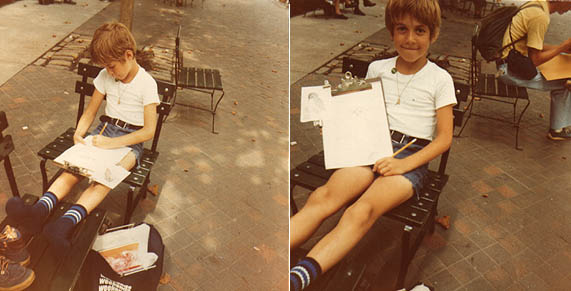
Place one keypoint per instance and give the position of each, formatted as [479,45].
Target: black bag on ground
[493,28]
[97,275]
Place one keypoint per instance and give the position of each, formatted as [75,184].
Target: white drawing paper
[101,165]
[355,129]
[314,101]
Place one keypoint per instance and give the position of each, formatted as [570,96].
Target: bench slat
[217,80]
[490,84]
[84,88]
[306,180]
[200,78]
[88,70]
[208,79]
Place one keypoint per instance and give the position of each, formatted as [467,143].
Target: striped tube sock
[76,213]
[302,274]
[48,202]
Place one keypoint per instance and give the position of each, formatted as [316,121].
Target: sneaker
[14,276]
[13,247]
[565,133]
[368,3]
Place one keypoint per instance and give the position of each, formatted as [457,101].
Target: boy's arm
[444,129]
[88,116]
[139,136]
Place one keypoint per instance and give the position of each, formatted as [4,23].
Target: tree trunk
[126,13]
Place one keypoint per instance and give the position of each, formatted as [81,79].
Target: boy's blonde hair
[110,42]
[425,11]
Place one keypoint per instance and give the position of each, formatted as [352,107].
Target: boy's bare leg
[384,194]
[59,231]
[63,184]
[95,193]
[344,185]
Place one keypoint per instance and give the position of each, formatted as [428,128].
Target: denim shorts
[115,131]
[417,176]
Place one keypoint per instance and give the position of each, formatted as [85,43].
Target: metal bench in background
[203,80]
[139,177]
[487,87]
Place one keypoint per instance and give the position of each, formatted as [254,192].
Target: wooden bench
[417,216]
[52,272]
[139,177]
[198,79]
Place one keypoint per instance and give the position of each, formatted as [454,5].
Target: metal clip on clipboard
[350,84]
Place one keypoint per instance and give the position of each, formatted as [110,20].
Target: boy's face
[120,70]
[411,39]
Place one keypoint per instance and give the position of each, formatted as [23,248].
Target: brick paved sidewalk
[518,238]
[222,204]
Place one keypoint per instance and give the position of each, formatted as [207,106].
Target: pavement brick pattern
[222,207]
[509,209]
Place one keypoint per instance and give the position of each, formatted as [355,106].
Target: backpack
[492,29]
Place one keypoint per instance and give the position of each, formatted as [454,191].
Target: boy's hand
[390,166]
[78,139]
[101,141]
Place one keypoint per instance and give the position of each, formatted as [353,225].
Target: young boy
[130,119]
[419,98]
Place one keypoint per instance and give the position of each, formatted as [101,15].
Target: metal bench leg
[517,126]
[470,106]
[128,211]
[405,256]
[11,178]
[292,204]
[214,107]
[44,175]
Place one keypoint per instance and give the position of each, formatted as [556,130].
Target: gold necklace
[399,93]
[121,92]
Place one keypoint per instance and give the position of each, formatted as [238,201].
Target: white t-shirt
[127,101]
[429,89]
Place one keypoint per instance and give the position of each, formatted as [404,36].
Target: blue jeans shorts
[115,131]
[417,176]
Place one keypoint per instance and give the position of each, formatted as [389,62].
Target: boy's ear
[129,55]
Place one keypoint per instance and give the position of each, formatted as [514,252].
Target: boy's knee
[322,199]
[360,214]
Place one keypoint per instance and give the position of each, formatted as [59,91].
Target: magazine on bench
[99,165]
[125,249]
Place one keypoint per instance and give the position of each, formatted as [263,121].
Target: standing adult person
[530,25]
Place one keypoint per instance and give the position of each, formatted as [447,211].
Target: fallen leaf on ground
[165,279]
[541,115]
[235,102]
[256,248]
[274,71]
[485,195]
[233,112]
[342,44]
[444,221]
[563,158]
[253,139]
[53,35]
[154,189]
[67,22]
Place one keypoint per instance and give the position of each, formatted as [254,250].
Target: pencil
[406,146]
[103,129]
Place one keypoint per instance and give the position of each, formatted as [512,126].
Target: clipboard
[354,120]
